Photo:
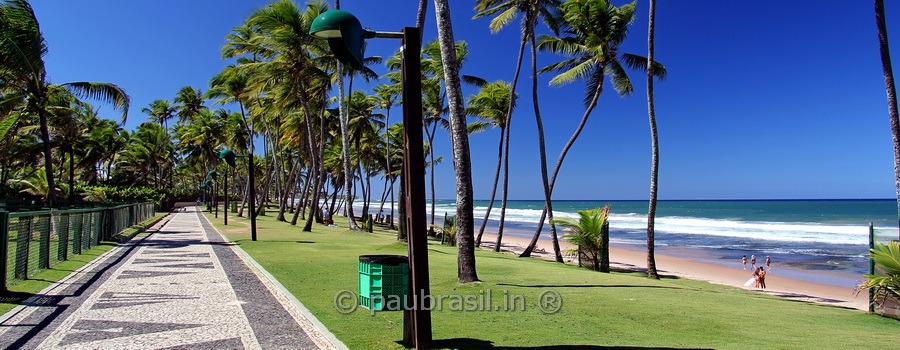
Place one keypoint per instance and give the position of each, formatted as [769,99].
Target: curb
[270,280]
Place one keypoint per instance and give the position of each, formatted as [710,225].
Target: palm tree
[230,86]
[654,145]
[591,234]
[295,73]
[189,103]
[887,287]
[891,93]
[388,95]
[594,29]
[533,10]
[103,145]
[434,95]
[199,139]
[149,155]
[22,50]
[492,103]
[160,111]
[462,162]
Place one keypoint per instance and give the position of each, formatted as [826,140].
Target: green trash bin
[234,205]
[383,282]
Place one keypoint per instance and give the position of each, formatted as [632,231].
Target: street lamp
[215,200]
[208,185]
[229,157]
[346,37]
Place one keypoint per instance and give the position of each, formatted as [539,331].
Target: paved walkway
[179,287]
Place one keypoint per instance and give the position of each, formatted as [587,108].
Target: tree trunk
[604,247]
[559,161]
[345,152]
[891,92]
[654,145]
[391,223]
[460,140]
[48,157]
[487,213]
[301,207]
[402,230]
[431,155]
[71,175]
[507,135]
[548,205]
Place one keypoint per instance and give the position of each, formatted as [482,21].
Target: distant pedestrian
[768,263]
[753,262]
[744,261]
[754,280]
[761,278]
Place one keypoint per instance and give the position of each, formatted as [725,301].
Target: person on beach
[744,261]
[754,280]
[753,262]
[761,278]
[768,263]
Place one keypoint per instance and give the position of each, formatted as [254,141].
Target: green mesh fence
[31,241]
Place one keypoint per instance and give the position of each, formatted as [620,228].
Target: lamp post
[225,212]
[229,157]
[215,200]
[208,185]
[346,38]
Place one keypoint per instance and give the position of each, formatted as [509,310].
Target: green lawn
[618,309]
[25,289]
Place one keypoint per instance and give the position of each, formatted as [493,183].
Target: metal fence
[31,241]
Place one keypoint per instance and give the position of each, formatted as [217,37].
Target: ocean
[821,241]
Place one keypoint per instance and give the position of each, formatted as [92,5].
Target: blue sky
[763,99]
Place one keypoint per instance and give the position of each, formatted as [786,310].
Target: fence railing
[32,241]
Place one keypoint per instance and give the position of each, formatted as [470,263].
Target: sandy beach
[626,259]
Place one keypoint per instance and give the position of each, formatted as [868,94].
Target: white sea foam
[741,230]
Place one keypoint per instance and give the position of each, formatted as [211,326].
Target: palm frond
[561,46]
[473,80]
[503,19]
[22,47]
[6,124]
[887,257]
[640,63]
[583,69]
[477,127]
[104,92]
[620,80]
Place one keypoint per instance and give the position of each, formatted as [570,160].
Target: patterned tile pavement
[182,286]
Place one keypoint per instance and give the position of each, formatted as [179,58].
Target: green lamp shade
[213,174]
[208,183]
[345,36]
[203,186]
[228,156]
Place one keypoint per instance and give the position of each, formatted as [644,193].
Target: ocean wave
[739,230]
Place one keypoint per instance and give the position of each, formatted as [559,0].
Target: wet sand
[621,258]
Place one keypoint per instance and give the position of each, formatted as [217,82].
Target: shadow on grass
[585,286]
[469,343]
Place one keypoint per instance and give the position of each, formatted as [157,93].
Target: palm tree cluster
[67,128]
[589,34]
[323,144]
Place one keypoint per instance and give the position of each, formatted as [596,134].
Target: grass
[23,290]
[617,309]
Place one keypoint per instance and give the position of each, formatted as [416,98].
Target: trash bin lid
[390,260]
